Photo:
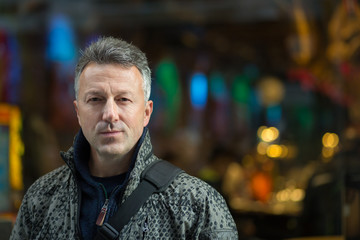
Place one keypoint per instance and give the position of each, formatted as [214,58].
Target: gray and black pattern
[188,209]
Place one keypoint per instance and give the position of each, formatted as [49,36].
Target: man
[103,167]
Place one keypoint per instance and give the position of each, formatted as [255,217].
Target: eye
[123,99]
[94,99]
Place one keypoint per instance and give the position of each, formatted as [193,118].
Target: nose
[110,111]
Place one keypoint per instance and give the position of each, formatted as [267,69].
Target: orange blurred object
[261,186]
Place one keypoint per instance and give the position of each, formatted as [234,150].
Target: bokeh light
[330,140]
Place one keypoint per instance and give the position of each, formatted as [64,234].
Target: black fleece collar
[82,154]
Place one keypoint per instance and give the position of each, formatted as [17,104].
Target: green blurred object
[167,78]
[241,89]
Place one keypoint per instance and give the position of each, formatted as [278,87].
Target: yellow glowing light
[268,134]
[330,140]
[274,151]
[11,116]
[16,150]
[271,90]
[327,152]
[261,148]
[297,195]
[284,151]
[283,195]
[260,130]
[233,170]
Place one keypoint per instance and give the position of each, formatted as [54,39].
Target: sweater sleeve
[213,219]
[217,222]
[23,224]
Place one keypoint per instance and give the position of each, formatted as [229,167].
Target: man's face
[111,109]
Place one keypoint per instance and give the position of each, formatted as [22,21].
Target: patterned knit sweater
[188,209]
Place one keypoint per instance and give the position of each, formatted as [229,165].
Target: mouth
[110,133]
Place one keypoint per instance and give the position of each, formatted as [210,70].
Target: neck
[108,166]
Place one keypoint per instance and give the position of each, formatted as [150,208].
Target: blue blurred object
[10,68]
[218,89]
[273,115]
[4,168]
[14,71]
[61,40]
[198,90]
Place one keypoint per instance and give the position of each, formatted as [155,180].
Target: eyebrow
[98,92]
[92,92]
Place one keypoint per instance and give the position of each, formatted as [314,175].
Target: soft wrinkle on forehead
[107,79]
[111,71]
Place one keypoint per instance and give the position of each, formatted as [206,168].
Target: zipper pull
[102,214]
[145,227]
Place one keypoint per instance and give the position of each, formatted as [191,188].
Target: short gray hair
[109,50]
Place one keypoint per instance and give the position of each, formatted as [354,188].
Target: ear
[77,110]
[148,111]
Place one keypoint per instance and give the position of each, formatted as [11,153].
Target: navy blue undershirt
[110,183]
[92,193]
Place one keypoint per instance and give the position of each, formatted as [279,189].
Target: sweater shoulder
[189,183]
[203,205]
[50,181]
[195,190]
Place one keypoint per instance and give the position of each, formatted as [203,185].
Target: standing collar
[82,155]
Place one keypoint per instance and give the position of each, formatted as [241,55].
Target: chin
[112,151]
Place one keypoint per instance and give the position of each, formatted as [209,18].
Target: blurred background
[258,98]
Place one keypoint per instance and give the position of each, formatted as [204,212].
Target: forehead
[114,75]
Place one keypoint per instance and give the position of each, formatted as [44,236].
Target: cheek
[86,119]
[132,116]
[135,122]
